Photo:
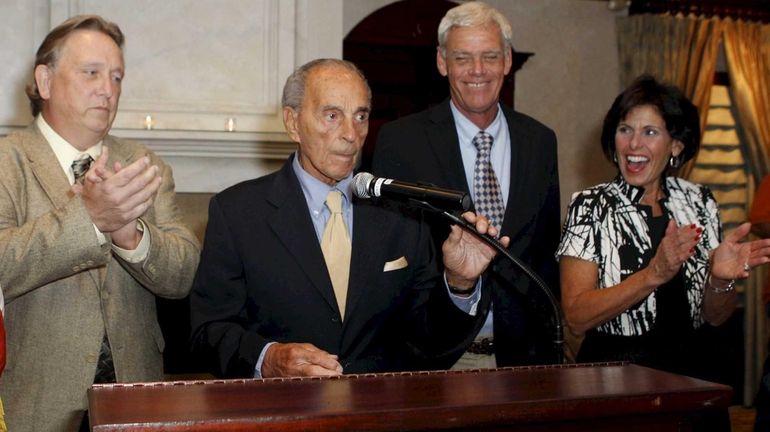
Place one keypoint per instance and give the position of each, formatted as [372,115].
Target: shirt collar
[315,190]
[467,130]
[65,152]
[635,193]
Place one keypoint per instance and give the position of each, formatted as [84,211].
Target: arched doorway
[395,47]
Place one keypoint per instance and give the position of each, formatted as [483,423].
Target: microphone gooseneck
[556,308]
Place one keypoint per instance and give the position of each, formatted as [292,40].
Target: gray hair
[474,14]
[294,89]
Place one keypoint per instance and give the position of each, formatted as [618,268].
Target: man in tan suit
[82,257]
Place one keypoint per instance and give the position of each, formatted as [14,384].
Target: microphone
[366,185]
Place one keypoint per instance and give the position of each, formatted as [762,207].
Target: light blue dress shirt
[500,156]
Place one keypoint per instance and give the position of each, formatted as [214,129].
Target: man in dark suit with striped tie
[507,162]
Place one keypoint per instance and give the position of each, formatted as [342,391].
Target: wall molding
[202,69]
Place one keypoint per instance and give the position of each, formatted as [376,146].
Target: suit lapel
[291,223]
[516,192]
[442,138]
[367,260]
[52,179]
[46,168]
[117,152]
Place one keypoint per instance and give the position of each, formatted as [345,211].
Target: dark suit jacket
[423,147]
[262,278]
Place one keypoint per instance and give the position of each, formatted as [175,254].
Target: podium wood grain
[599,397]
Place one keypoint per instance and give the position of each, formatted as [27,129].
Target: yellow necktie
[335,245]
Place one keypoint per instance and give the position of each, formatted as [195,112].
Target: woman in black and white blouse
[642,259]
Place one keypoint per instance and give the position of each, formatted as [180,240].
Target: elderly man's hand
[465,255]
[299,359]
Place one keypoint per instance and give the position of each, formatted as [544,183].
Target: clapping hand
[116,198]
[677,245]
[734,260]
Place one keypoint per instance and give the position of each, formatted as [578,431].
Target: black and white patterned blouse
[606,222]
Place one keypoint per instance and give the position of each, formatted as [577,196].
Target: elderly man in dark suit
[299,278]
[506,160]
[83,254]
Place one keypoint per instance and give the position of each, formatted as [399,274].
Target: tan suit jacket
[63,290]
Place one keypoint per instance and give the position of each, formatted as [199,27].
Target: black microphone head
[361,182]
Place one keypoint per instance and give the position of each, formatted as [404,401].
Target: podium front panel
[571,397]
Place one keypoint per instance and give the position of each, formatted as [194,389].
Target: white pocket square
[395,264]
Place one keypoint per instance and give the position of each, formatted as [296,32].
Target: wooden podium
[596,397]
